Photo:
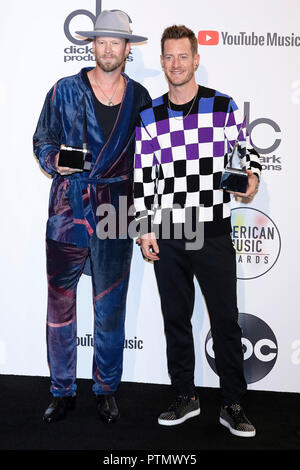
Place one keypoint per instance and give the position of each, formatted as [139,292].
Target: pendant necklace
[110,102]
[181,118]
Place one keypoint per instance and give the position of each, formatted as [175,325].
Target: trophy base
[74,158]
[234,180]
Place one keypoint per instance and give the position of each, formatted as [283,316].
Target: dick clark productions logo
[256,240]
[80,12]
[259,345]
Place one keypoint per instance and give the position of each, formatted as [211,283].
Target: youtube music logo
[208,38]
[212,38]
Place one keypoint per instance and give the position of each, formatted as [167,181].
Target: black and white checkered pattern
[179,162]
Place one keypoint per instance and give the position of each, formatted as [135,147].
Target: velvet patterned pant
[110,264]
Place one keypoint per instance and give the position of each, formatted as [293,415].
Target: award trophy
[78,158]
[235,179]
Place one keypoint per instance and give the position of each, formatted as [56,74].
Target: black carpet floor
[24,399]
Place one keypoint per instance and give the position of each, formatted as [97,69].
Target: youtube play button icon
[208,38]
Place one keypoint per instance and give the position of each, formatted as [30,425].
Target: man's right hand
[64,170]
[149,246]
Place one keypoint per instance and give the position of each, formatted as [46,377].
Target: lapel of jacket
[119,135]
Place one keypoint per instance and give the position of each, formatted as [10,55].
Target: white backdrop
[264,79]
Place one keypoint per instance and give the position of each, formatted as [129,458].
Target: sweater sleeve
[48,134]
[236,130]
[145,175]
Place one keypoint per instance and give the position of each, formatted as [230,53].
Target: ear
[127,48]
[162,61]
[196,61]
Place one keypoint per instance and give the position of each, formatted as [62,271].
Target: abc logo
[259,346]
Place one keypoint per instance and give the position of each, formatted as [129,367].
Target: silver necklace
[181,118]
[110,102]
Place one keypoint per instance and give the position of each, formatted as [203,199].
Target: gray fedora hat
[112,23]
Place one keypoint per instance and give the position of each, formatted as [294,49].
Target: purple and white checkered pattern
[180,161]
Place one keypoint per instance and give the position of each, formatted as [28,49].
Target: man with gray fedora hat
[113,23]
[90,116]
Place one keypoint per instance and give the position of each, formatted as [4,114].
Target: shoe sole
[54,420]
[235,432]
[191,414]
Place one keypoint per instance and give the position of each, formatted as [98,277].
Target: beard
[109,66]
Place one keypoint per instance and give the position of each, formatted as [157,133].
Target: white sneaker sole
[235,432]
[167,422]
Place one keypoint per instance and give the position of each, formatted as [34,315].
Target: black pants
[215,268]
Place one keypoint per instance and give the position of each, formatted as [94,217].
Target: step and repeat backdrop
[248,50]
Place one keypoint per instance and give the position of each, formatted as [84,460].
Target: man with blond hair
[94,110]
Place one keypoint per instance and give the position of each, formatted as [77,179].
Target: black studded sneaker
[234,418]
[181,409]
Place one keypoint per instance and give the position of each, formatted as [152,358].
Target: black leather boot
[107,408]
[58,408]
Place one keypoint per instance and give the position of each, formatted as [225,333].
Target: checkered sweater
[179,162]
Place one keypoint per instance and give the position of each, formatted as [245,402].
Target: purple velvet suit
[71,229]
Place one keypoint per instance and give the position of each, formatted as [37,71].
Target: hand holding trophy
[236,179]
